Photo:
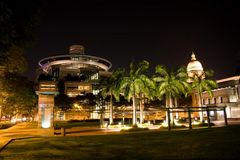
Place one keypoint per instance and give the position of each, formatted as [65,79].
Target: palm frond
[161,70]
[209,73]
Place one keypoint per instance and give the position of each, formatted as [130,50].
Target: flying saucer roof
[75,60]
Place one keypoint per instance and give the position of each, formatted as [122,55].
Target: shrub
[135,128]
[203,124]
[74,120]
[174,126]
[6,125]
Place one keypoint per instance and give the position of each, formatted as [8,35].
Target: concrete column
[189,118]
[45,111]
[46,93]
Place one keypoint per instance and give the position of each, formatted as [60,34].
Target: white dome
[194,65]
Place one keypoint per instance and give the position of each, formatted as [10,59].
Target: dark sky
[162,32]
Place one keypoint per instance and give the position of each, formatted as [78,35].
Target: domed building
[227,94]
[194,68]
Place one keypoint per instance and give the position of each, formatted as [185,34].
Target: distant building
[227,94]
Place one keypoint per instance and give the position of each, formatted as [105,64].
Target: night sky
[162,32]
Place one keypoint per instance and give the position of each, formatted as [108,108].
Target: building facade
[74,74]
[227,94]
[79,72]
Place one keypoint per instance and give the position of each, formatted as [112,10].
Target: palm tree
[136,83]
[182,77]
[169,86]
[201,83]
[148,91]
[111,87]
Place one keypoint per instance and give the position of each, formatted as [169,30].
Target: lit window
[95,76]
[80,87]
[95,92]
[232,98]
[86,87]
[47,85]
[212,113]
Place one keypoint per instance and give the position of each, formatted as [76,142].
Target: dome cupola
[194,67]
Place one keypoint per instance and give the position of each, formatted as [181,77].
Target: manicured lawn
[69,124]
[215,143]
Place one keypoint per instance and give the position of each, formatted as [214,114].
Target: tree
[182,76]
[169,86]
[20,97]
[18,21]
[136,82]
[16,34]
[63,102]
[201,83]
[111,87]
[148,92]
[13,60]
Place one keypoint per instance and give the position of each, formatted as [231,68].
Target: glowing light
[46,117]
[77,106]
[211,113]
[164,124]
[145,125]
[125,127]
[106,124]
[195,122]
[176,123]
[46,124]
[13,120]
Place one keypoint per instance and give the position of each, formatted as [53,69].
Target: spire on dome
[193,57]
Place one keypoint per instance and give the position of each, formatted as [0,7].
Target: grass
[214,143]
[70,124]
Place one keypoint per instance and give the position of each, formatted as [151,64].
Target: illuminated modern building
[78,73]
